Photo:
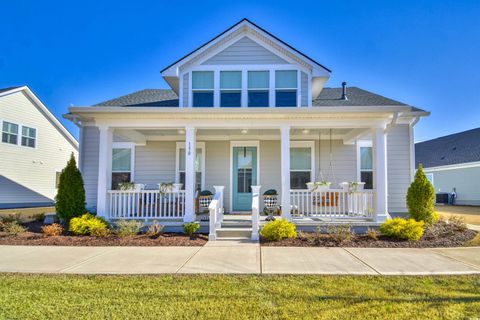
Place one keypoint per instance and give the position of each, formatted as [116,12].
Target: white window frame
[259,89]
[55,179]
[21,136]
[126,145]
[297,90]
[214,90]
[245,68]
[305,144]
[181,145]
[363,144]
[19,133]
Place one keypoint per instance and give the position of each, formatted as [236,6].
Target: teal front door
[244,176]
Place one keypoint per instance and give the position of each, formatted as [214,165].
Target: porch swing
[318,187]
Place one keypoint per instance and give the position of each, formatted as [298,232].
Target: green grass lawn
[238,297]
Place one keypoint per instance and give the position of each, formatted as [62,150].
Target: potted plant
[318,186]
[352,186]
[270,200]
[204,198]
[166,187]
[126,186]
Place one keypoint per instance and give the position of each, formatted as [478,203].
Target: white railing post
[255,212]
[219,190]
[214,209]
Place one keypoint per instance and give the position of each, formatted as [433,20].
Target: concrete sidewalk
[238,258]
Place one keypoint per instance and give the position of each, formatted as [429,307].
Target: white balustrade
[255,212]
[146,204]
[333,203]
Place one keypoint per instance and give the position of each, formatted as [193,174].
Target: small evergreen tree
[421,198]
[70,199]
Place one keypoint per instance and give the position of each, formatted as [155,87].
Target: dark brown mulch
[439,235]
[34,237]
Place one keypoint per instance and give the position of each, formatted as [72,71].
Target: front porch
[284,159]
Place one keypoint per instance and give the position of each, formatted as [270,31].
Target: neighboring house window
[10,132]
[199,165]
[430,177]
[301,164]
[366,166]
[121,166]
[29,136]
[57,178]
[286,88]
[202,88]
[230,88]
[258,88]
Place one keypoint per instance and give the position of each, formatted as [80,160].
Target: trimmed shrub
[191,227]
[128,228]
[70,199]
[12,228]
[52,230]
[278,230]
[403,229]
[421,198]
[88,224]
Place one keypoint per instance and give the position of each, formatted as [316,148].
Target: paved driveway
[239,258]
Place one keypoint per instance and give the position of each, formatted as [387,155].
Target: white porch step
[234,233]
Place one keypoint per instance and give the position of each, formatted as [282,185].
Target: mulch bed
[439,235]
[34,237]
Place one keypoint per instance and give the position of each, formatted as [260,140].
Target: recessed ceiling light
[305,131]
[244,131]
[181,131]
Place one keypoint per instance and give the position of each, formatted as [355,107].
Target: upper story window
[202,88]
[286,88]
[258,88]
[29,136]
[230,88]
[10,132]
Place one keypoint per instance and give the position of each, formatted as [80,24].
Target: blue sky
[424,53]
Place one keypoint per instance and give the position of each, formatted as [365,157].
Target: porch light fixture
[181,131]
[305,131]
[244,131]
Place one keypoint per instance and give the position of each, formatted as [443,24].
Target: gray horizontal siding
[155,163]
[89,164]
[304,88]
[245,51]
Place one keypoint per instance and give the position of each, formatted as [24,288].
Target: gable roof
[245,21]
[462,147]
[329,97]
[60,127]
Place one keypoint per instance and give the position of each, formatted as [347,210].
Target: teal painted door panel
[244,176]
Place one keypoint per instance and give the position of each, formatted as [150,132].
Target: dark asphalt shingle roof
[8,89]
[329,97]
[462,147]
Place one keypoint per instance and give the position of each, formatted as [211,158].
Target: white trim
[305,144]
[248,143]
[360,144]
[36,137]
[46,111]
[181,145]
[126,145]
[453,166]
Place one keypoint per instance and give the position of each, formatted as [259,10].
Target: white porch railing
[146,204]
[216,213]
[333,203]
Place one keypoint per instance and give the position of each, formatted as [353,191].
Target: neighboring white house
[34,148]
[452,164]
[246,109]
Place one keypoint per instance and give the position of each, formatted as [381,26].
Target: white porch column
[104,169]
[285,171]
[190,154]
[380,174]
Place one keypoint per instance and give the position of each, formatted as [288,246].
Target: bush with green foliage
[403,229]
[278,229]
[128,228]
[191,227]
[421,198]
[70,199]
[88,224]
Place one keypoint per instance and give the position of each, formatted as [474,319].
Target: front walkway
[240,258]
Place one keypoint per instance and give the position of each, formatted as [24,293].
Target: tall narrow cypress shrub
[70,199]
[421,198]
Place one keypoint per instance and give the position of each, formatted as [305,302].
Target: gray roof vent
[344,91]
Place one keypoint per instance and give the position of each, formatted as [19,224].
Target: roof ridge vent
[344,91]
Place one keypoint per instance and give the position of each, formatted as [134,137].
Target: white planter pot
[177,187]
